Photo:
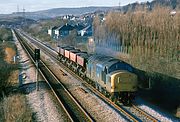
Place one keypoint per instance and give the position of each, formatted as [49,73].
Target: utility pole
[24,17]
[17,8]
[119,6]
[37,58]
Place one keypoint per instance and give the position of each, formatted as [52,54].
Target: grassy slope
[13,106]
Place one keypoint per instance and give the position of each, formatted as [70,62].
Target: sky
[9,6]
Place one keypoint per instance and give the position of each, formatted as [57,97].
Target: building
[79,27]
[63,30]
[51,31]
[87,31]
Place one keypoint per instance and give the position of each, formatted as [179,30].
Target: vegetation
[5,34]
[15,109]
[5,71]
[13,106]
[174,4]
[39,30]
[150,38]
[5,67]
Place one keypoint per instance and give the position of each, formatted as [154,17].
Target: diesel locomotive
[112,77]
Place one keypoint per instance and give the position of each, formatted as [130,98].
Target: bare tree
[151,38]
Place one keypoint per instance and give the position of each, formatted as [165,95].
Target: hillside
[51,13]
[10,21]
[74,11]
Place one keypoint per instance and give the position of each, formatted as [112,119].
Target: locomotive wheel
[107,95]
[112,97]
[104,92]
[87,79]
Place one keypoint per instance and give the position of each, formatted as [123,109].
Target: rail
[72,108]
[125,112]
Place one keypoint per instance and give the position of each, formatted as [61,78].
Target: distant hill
[10,21]
[72,11]
[50,13]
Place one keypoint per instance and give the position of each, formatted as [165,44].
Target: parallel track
[145,116]
[130,115]
[72,108]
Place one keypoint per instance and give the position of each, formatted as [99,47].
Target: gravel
[99,110]
[155,111]
[42,101]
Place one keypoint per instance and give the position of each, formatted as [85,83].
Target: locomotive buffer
[37,57]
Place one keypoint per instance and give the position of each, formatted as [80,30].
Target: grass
[6,66]
[15,109]
[13,104]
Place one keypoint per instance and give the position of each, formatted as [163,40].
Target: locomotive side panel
[108,83]
[88,70]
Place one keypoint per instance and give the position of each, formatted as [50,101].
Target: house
[87,31]
[79,27]
[63,30]
[51,31]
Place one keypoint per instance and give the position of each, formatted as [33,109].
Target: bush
[5,34]
[5,69]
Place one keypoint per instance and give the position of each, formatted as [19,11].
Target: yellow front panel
[112,84]
[124,81]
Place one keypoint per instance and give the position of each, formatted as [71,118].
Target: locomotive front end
[123,85]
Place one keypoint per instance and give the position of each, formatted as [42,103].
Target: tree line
[150,38]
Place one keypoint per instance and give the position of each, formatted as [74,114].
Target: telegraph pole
[24,16]
[119,6]
[17,8]
[37,58]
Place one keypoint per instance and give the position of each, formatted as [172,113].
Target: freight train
[112,77]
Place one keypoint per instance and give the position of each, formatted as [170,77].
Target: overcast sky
[9,6]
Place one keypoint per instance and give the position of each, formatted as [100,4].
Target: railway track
[132,113]
[72,109]
[145,116]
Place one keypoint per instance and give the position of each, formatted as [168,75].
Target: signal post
[37,58]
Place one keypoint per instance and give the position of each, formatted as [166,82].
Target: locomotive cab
[122,85]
